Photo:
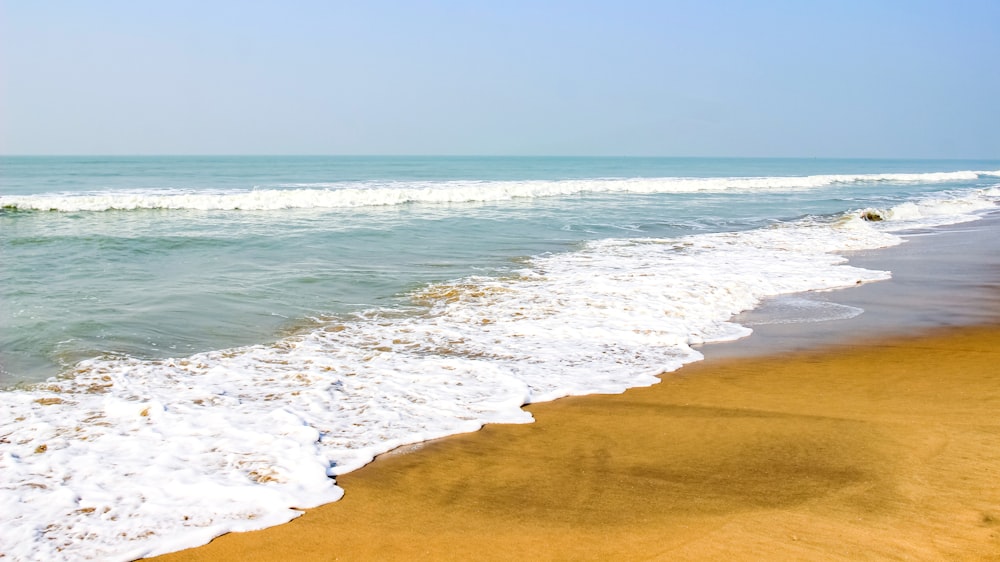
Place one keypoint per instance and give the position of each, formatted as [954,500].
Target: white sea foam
[125,458]
[349,195]
[940,209]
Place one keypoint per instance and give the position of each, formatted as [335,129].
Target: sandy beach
[889,450]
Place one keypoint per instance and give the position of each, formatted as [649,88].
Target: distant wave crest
[350,195]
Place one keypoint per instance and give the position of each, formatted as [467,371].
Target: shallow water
[949,276]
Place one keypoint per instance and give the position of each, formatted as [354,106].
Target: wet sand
[871,438]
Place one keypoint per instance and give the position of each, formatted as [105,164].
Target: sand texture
[883,451]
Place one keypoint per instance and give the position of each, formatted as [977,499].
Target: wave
[370,194]
[936,210]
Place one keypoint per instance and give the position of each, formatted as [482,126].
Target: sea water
[196,345]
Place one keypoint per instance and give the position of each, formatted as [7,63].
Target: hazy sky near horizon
[870,78]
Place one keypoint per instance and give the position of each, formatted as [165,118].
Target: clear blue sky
[670,78]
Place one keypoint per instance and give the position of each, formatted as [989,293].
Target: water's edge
[945,277]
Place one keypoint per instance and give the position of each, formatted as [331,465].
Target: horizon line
[414,155]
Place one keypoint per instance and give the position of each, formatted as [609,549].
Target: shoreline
[887,450]
[945,277]
[835,440]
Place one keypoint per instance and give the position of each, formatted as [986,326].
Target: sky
[875,78]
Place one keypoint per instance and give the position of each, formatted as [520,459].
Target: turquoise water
[154,283]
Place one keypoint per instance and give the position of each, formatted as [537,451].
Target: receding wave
[373,194]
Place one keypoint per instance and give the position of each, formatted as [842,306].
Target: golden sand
[889,450]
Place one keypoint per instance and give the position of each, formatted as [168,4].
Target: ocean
[196,345]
